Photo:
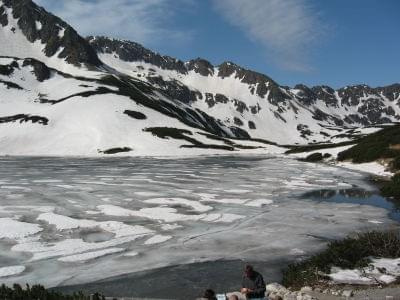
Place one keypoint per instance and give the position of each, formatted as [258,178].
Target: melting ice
[72,220]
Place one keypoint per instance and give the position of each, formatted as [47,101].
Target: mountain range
[64,94]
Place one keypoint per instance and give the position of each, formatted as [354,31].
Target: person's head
[233,297]
[248,271]
[209,294]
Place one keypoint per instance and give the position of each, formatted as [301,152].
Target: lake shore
[186,281]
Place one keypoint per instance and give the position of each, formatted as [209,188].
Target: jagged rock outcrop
[131,51]
[57,36]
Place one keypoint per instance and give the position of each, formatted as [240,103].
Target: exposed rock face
[174,89]
[201,66]
[52,31]
[131,51]
[369,102]
[41,71]
[264,84]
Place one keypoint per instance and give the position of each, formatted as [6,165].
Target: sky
[314,42]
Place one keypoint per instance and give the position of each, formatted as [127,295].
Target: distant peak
[131,51]
[201,66]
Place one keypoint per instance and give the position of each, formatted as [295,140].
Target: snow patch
[371,167]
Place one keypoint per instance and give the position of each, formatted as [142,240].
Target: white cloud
[143,21]
[288,29]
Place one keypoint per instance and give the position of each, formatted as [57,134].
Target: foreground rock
[275,291]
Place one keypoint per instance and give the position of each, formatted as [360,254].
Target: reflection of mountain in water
[357,196]
[354,192]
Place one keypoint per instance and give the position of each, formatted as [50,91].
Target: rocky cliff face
[248,97]
[36,24]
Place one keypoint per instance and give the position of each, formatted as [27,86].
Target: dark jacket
[255,283]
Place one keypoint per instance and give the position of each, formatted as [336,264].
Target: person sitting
[209,294]
[253,285]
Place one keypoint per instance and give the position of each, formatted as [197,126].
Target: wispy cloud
[144,21]
[288,29]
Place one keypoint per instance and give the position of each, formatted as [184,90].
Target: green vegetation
[11,85]
[175,133]
[349,253]
[382,144]
[315,157]
[395,164]
[392,188]
[116,150]
[6,70]
[99,91]
[39,292]
[313,147]
[182,134]
[262,141]
[228,142]
[135,114]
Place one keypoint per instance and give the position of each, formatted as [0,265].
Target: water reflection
[356,196]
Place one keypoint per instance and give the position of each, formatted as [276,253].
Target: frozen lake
[66,221]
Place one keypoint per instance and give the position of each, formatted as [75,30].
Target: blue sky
[333,42]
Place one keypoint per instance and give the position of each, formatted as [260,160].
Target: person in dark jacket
[253,285]
[209,295]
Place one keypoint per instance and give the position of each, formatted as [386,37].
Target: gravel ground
[364,294]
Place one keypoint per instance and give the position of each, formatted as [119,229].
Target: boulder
[276,288]
[348,293]
[306,289]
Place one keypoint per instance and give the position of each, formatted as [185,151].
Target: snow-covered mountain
[63,94]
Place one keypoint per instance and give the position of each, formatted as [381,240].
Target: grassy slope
[352,252]
[349,253]
[384,144]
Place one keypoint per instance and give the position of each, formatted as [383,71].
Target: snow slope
[61,94]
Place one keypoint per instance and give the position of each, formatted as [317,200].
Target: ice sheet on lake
[157,239]
[90,255]
[11,271]
[103,212]
[16,230]
[196,205]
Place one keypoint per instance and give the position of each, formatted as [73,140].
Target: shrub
[395,164]
[374,146]
[313,147]
[39,292]
[392,188]
[116,150]
[315,157]
[349,253]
